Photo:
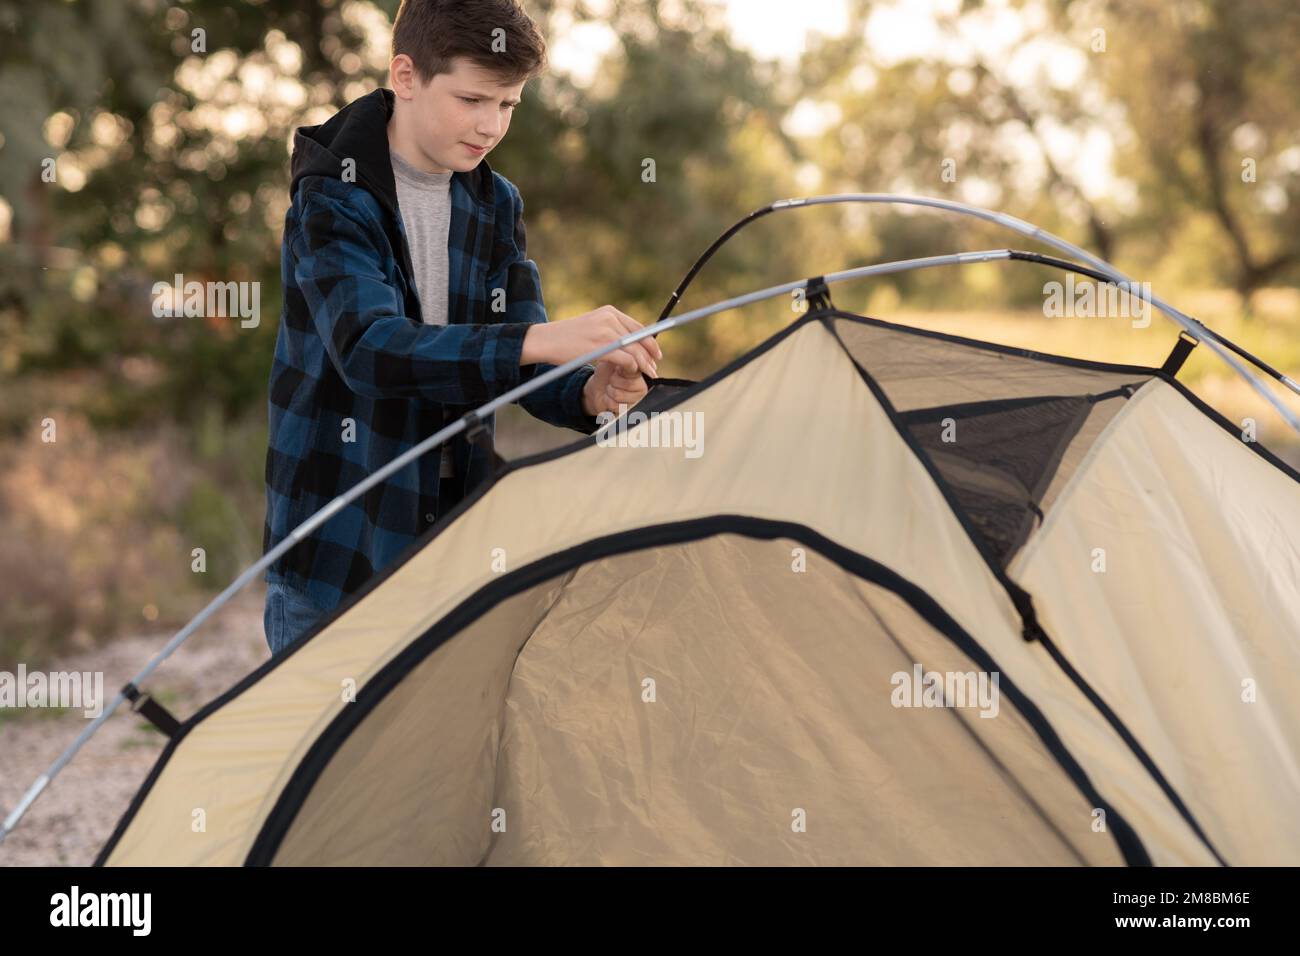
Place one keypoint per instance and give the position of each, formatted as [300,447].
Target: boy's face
[442,120]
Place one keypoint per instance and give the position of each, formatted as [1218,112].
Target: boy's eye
[471,100]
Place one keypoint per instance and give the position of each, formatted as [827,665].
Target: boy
[409,300]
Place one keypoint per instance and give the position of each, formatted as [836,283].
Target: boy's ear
[402,75]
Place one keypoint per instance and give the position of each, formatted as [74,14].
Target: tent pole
[1204,329]
[480,414]
[434,440]
[1216,343]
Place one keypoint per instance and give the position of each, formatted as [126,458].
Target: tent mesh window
[1003,431]
[998,458]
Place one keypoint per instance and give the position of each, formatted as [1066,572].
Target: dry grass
[97,533]
[71,821]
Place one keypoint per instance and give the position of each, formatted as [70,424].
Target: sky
[779,29]
[771,29]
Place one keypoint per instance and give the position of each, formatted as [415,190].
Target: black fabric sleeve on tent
[314,763]
[152,711]
[1178,354]
[663,392]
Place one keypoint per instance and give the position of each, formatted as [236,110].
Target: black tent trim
[332,738]
[1186,341]
[684,394]
[1222,421]
[1213,414]
[1019,596]
[379,577]
[816,315]
[1172,364]
[933,413]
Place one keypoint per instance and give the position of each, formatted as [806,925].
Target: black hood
[359,131]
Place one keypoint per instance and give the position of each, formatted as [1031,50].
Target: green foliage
[176,160]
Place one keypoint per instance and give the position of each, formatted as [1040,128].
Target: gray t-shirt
[425,202]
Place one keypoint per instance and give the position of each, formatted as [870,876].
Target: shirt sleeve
[339,252]
[558,402]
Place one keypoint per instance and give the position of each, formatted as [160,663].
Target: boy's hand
[559,342]
[611,387]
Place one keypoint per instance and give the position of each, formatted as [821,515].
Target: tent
[701,667]
[867,595]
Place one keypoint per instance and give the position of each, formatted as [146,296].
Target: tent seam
[276,826]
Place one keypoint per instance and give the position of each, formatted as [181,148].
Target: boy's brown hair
[431,32]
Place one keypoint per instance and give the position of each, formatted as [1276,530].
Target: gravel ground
[73,819]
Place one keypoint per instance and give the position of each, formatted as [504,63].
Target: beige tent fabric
[793,436]
[771,705]
[775,702]
[412,786]
[1200,593]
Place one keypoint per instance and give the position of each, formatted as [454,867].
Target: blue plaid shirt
[358,378]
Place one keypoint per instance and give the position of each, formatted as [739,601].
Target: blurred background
[1163,135]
